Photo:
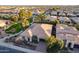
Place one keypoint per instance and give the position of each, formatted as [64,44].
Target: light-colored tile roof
[41,30]
[68,33]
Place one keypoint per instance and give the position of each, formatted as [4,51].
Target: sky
[39,2]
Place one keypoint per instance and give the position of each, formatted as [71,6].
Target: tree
[40,17]
[14,18]
[24,15]
[25,22]
[54,45]
[29,14]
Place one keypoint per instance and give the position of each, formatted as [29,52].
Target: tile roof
[68,33]
[41,30]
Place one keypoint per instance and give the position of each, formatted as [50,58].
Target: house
[75,19]
[68,34]
[36,12]
[8,11]
[4,23]
[51,18]
[64,20]
[54,13]
[42,31]
[62,13]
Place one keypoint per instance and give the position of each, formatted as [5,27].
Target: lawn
[14,28]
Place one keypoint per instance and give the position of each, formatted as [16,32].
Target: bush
[55,22]
[54,45]
[77,26]
[6,17]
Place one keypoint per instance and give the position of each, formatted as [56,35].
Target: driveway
[41,47]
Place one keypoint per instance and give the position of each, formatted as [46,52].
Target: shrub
[54,45]
[77,26]
[6,17]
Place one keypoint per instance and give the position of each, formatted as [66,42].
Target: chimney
[53,31]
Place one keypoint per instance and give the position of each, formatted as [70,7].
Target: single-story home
[42,31]
[64,19]
[68,33]
[51,18]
